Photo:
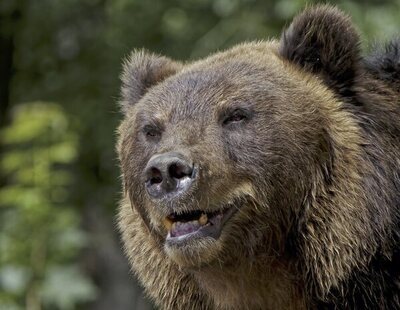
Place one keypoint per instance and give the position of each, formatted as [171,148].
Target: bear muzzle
[169,175]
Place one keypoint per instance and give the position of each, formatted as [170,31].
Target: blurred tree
[9,17]
[40,234]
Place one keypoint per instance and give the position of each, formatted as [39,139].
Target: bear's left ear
[141,71]
[323,40]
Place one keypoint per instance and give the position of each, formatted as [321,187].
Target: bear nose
[168,174]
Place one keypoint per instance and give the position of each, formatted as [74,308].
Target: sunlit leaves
[40,233]
[64,286]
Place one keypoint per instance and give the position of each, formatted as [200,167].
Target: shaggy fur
[314,171]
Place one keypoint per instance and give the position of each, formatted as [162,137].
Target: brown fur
[318,165]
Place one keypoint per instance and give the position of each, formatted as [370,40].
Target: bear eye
[236,116]
[151,132]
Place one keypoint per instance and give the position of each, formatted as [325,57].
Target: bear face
[250,176]
[235,121]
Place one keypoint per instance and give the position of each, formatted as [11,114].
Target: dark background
[59,84]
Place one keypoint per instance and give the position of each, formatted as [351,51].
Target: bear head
[220,156]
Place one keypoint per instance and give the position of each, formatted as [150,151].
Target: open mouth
[197,224]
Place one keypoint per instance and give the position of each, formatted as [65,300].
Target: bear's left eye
[236,116]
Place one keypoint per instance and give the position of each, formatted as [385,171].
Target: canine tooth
[203,219]
[168,224]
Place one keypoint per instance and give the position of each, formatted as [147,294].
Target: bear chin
[194,252]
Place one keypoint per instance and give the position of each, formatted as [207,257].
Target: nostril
[155,176]
[168,175]
[178,171]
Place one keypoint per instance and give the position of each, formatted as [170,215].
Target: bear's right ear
[141,71]
[323,40]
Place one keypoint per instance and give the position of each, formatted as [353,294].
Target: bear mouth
[197,224]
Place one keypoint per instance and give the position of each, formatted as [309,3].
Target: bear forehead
[240,64]
[235,75]
[263,53]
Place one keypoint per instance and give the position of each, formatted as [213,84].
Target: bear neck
[264,283]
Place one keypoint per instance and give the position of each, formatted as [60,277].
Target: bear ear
[322,40]
[141,71]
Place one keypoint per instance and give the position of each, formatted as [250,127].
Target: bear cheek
[133,160]
[247,152]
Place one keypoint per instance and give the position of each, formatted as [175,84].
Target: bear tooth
[168,224]
[203,219]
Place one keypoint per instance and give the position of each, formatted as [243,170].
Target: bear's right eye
[236,116]
[151,132]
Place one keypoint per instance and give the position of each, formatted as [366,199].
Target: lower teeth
[203,219]
[168,224]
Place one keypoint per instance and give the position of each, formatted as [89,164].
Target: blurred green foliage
[39,231]
[58,166]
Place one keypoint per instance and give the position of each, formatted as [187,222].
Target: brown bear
[266,176]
